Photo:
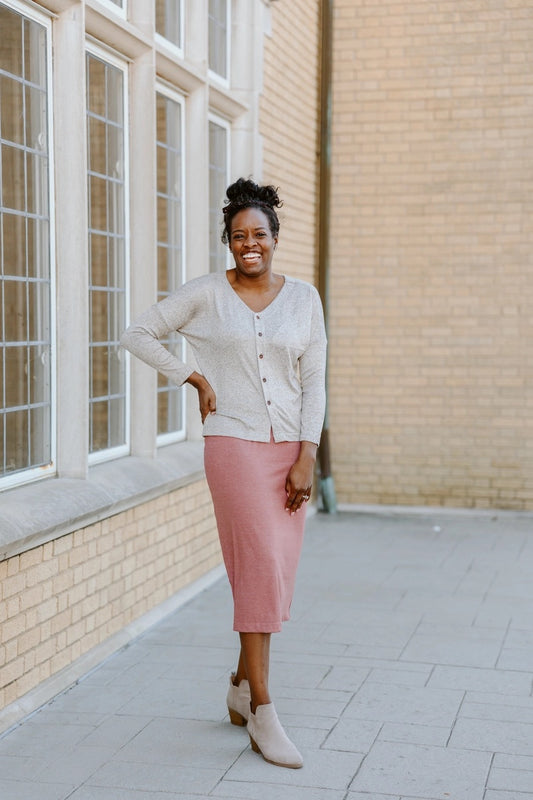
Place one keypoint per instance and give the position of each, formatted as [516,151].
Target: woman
[260,347]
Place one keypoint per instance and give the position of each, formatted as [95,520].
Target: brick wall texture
[431,384]
[288,124]
[59,600]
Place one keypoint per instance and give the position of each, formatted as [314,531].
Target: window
[219,31]
[219,135]
[170,261]
[107,193]
[26,345]
[169,20]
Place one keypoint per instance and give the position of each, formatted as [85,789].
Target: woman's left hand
[299,481]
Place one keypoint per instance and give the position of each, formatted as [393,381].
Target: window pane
[107,228]
[13,178]
[169,245]
[16,311]
[17,455]
[218,37]
[14,244]
[11,109]
[11,50]
[168,20]
[218,181]
[36,137]
[25,384]
[17,376]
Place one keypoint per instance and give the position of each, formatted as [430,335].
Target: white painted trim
[165,90]
[108,6]
[224,123]
[12,715]
[121,64]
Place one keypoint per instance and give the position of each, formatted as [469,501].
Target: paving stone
[346,679]
[506,711]
[455,647]
[178,742]
[29,790]
[103,793]
[18,768]
[371,796]
[398,677]
[428,772]
[115,731]
[490,680]
[506,761]
[326,769]
[405,704]
[246,790]
[77,766]
[494,737]
[127,775]
[400,634]
[43,740]
[415,734]
[516,780]
[352,735]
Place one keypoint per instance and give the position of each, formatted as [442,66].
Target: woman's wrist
[308,451]
[197,380]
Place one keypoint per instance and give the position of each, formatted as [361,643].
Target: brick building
[122,121]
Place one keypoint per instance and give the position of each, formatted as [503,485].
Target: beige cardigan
[267,369]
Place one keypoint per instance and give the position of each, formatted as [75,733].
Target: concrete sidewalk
[406,672]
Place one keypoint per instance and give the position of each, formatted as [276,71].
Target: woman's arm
[142,337]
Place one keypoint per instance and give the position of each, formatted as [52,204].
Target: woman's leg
[254,661]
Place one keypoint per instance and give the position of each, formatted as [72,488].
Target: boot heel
[236,718]
[255,746]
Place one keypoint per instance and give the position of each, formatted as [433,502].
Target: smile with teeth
[251,257]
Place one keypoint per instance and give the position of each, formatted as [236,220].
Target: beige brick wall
[69,595]
[432,242]
[288,125]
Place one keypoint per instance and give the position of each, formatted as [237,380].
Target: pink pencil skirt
[260,541]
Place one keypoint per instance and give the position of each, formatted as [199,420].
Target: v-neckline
[245,304]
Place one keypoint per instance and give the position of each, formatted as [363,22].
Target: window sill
[39,512]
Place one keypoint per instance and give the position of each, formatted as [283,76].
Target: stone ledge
[39,512]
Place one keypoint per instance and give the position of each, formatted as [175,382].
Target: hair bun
[244,191]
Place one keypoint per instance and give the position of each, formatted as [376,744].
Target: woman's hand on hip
[206,396]
[299,481]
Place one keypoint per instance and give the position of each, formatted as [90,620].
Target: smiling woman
[260,346]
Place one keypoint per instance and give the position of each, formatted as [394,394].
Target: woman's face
[251,242]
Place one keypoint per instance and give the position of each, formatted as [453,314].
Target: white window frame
[162,43]
[111,453]
[226,124]
[215,76]
[171,437]
[121,11]
[36,473]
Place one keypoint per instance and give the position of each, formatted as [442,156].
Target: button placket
[259,330]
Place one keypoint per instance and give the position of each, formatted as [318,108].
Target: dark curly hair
[247,194]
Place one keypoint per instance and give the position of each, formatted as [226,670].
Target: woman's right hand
[206,396]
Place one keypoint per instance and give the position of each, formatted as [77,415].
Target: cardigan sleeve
[141,338]
[313,375]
